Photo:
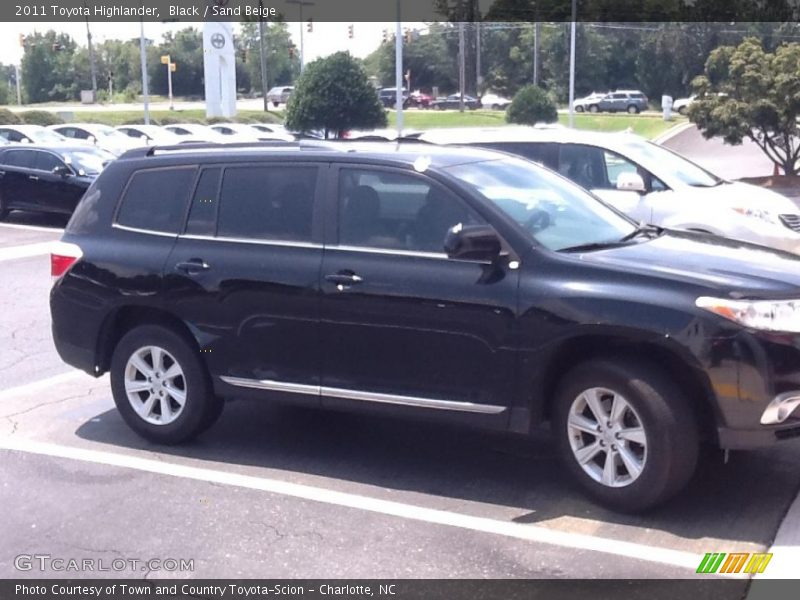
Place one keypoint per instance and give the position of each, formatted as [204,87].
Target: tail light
[62,256]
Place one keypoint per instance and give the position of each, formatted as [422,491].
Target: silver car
[280,94]
[647,182]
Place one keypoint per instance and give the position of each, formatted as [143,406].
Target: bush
[40,117]
[532,105]
[215,120]
[176,120]
[9,118]
[140,121]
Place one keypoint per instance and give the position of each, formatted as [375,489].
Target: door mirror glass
[472,242]
[62,171]
[630,182]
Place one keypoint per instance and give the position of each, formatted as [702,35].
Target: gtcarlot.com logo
[46,562]
[735,562]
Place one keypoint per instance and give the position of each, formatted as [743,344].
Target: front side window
[267,203]
[553,212]
[155,199]
[391,210]
[48,162]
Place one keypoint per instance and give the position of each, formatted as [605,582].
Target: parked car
[47,178]
[194,132]
[495,102]
[453,101]
[455,284]
[152,135]
[279,94]
[681,105]
[388,97]
[647,182]
[243,132]
[32,134]
[630,101]
[582,104]
[102,136]
[419,99]
[273,128]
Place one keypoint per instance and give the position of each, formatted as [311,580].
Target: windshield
[672,164]
[89,161]
[107,131]
[45,136]
[555,212]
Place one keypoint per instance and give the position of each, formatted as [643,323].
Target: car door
[59,191]
[402,324]
[244,276]
[18,179]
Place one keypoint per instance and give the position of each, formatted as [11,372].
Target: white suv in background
[647,182]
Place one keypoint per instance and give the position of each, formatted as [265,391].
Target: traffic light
[243,54]
[350,32]
[385,35]
[291,51]
[22,39]
[407,36]
[310,25]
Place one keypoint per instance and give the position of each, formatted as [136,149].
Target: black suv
[451,283]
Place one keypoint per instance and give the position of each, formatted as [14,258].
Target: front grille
[791,221]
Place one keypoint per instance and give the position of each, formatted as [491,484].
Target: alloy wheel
[607,437]
[155,385]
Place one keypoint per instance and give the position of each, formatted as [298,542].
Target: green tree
[47,70]
[281,68]
[532,105]
[185,48]
[748,93]
[334,94]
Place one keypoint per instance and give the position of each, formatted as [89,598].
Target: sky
[325,39]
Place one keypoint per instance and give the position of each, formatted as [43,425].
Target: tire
[594,108]
[633,110]
[276,104]
[682,111]
[496,107]
[580,109]
[668,456]
[438,107]
[200,408]
[4,210]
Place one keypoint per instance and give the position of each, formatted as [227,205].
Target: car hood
[722,266]
[737,194]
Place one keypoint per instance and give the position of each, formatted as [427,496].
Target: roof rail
[205,146]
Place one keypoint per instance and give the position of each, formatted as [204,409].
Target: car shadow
[50,220]
[743,500]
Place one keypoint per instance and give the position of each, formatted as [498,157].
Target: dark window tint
[544,154]
[203,212]
[45,161]
[269,203]
[19,158]
[12,136]
[382,209]
[585,165]
[155,200]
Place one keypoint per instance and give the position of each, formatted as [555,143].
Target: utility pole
[398,72]
[574,26]
[478,76]
[92,65]
[262,43]
[171,66]
[537,37]
[17,76]
[461,65]
[301,4]
[145,83]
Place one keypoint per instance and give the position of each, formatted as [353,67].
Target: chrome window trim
[390,251]
[332,392]
[145,231]
[235,240]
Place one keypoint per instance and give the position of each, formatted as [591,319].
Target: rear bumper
[743,439]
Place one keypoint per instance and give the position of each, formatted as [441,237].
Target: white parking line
[25,251]
[533,533]
[41,384]
[31,227]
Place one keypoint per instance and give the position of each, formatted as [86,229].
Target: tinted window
[203,211]
[155,200]
[544,154]
[585,165]
[47,162]
[19,158]
[391,210]
[269,203]
[11,135]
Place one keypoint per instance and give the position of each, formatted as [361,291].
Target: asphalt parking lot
[284,492]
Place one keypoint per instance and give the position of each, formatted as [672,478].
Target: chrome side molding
[332,392]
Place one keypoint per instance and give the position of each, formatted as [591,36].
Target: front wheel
[626,432]
[633,110]
[579,109]
[161,387]
[594,108]
[4,210]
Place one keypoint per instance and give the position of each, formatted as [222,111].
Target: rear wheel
[161,387]
[626,432]
[579,109]
[633,110]
[594,108]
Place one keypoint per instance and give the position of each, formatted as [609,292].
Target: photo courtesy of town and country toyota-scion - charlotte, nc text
[113,11]
[196,590]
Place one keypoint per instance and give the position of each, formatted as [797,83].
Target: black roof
[65,147]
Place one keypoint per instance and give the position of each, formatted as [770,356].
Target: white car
[33,134]
[104,137]
[647,182]
[194,132]
[274,129]
[681,105]
[582,104]
[494,102]
[150,135]
[244,133]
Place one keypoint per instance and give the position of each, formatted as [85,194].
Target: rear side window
[267,203]
[19,158]
[155,199]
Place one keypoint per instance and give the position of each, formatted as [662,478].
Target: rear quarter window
[155,199]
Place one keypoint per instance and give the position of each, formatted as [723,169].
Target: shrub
[40,117]
[215,120]
[140,121]
[9,118]
[532,105]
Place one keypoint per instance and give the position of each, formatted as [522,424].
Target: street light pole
[574,26]
[92,65]
[263,52]
[301,4]
[145,85]
[398,73]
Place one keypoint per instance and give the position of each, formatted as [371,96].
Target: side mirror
[62,171]
[91,139]
[472,242]
[630,182]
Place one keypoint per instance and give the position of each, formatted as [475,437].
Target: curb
[672,132]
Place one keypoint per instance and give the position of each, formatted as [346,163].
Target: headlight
[758,213]
[764,315]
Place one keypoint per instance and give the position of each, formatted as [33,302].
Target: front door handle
[193,266]
[343,279]
[33,178]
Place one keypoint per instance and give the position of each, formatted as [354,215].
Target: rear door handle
[344,278]
[33,178]
[193,266]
